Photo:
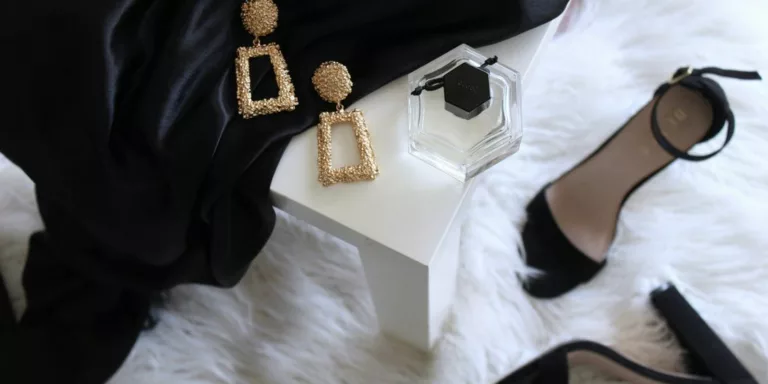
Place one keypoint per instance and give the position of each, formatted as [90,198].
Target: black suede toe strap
[548,250]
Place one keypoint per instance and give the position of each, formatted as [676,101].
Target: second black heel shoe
[710,360]
[707,353]
[572,221]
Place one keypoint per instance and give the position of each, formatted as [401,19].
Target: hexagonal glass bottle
[456,145]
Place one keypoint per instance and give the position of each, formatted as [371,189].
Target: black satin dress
[123,113]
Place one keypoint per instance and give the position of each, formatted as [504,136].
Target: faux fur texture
[303,312]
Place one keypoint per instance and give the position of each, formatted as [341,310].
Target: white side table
[406,223]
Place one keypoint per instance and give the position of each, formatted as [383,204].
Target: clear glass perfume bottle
[463,145]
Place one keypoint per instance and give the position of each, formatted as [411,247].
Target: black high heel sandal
[572,221]
[709,359]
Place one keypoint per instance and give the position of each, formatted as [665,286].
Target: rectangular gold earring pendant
[366,170]
[286,98]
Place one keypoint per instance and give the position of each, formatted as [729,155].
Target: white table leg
[412,299]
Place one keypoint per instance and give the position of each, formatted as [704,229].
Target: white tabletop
[410,206]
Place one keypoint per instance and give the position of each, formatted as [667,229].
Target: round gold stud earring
[333,83]
[260,19]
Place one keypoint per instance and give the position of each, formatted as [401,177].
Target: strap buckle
[681,74]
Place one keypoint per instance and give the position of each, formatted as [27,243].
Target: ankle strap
[694,79]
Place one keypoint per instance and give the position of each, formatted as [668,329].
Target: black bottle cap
[467,91]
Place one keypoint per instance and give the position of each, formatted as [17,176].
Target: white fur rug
[303,315]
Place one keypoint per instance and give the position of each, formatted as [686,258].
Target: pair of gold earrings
[332,82]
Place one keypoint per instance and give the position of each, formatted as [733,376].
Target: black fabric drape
[123,113]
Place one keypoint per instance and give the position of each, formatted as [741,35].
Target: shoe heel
[708,354]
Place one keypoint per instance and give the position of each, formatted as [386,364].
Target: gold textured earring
[333,83]
[260,19]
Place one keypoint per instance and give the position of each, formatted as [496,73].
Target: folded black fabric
[7,318]
[123,113]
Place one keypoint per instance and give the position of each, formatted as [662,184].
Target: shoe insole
[586,201]
[616,370]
